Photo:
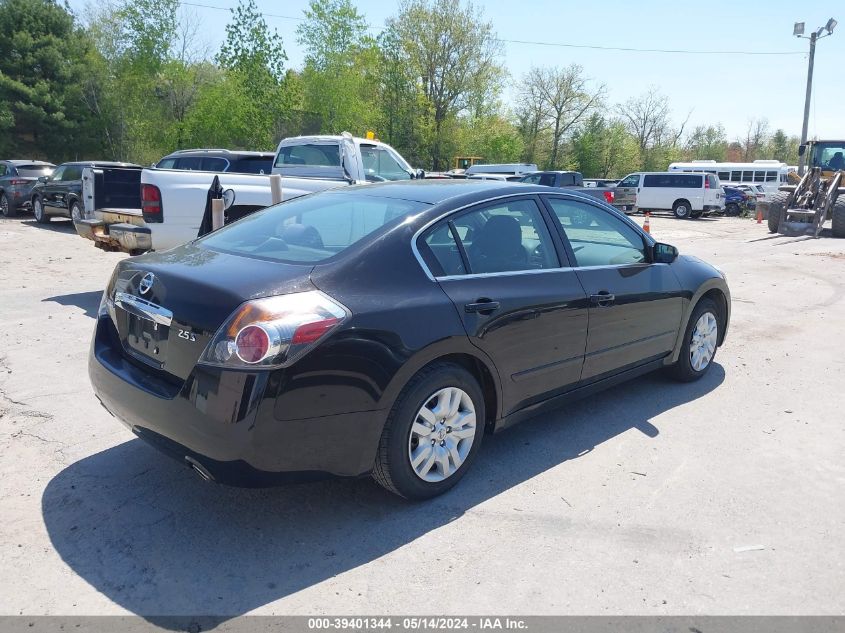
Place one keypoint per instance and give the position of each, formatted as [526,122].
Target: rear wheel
[6,208]
[701,339]
[837,214]
[432,433]
[681,209]
[776,206]
[38,211]
[732,208]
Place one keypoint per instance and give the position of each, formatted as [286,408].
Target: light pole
[798,31]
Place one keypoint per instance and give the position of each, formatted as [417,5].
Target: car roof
[21,161]
[456,192]
[99,163]
[218,152]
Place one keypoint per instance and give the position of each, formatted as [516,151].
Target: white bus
[768,173]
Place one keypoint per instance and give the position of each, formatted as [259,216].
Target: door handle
[603,299]
[482,306]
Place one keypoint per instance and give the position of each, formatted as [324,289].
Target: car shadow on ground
[158,541]
[59,225]
[88,301]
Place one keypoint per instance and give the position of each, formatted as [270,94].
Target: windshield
[310,229]
[829,156]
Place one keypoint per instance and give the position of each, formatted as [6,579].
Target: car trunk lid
[168,305]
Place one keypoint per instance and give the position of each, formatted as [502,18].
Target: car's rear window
[310,229]
[311,155]
[34,171]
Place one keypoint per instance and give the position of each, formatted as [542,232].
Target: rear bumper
[123,237]
[222,421]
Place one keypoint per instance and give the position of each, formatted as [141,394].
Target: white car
[686,195]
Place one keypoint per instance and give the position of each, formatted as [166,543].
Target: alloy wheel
[37,209]
[442,434]
[4,205]
[703,341]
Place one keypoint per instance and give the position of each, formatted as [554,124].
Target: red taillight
[707,183]
[252,344]
[18,182]
[608,197]
[310,332]
[150,199]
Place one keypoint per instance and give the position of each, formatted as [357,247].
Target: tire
[76,212]
[682,209]
[38,211]
[431,389]
[686,369]
[732,209]
[837,214]
[776,207]
[7,208]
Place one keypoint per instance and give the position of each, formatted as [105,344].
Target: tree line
[128,81]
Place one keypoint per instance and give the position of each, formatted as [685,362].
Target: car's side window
[74,172]
[507,236]
[630,181]
[2,170]
[597,237]
[58,173]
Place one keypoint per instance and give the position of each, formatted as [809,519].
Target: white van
[505,169]
[686,195]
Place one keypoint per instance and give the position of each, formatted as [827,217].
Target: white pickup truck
[173,201]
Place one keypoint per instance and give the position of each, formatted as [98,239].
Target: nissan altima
[384,329]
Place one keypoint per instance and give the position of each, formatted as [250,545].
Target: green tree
[340,77]
[42,66]
[251,48]
[603,148]
[453,52]
[707,143]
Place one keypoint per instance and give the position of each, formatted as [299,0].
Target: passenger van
[686,195]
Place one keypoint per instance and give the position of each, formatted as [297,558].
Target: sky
[729,88]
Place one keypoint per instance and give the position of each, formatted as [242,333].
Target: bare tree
[532,116]
[756,136]
[559,98]
[647,118]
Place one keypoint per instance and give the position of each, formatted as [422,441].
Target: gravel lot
[726,496]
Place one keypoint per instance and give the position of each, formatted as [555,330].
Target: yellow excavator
[803,208]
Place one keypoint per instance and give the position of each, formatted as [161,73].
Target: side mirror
[664,253]
[43,178]
[228,198]
[802,149]
[419,174]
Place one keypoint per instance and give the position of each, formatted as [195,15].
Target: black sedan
[383,329]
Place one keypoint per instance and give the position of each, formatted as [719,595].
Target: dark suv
[17,178]
[219,160]
[60,194]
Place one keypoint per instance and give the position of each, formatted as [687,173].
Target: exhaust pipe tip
[201,470]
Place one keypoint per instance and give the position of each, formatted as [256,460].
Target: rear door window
[251,165]
[507,236]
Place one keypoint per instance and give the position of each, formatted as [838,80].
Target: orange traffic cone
[759,215]
[646,225]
